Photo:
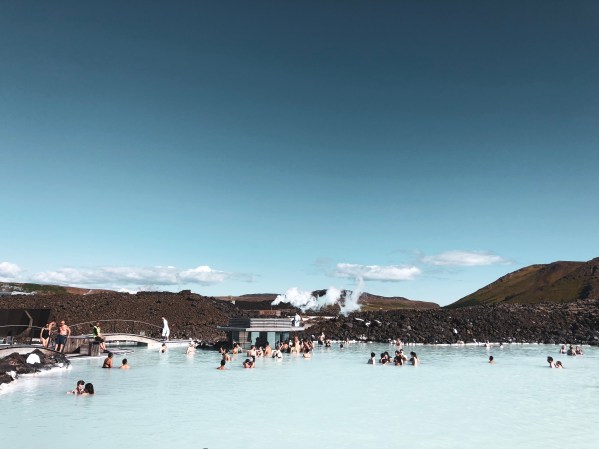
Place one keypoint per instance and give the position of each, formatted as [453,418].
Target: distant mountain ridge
[29,288]
[555,282]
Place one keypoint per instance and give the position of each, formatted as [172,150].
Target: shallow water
[454,399]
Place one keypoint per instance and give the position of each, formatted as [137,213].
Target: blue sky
[426,147]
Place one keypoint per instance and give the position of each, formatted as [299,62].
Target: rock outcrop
[16,364]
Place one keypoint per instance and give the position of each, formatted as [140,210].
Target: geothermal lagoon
[334,400]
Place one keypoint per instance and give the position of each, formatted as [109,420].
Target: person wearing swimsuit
[64,332]
[45,334]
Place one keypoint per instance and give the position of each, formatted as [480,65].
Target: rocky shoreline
[194,316]
[15,364]
[575,322]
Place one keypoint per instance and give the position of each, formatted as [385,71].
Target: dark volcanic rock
[189,315]
[576,322]
[17,363]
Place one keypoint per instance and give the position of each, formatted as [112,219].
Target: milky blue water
[454,399]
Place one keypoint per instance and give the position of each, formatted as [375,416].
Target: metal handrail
[130,325]
[22,337]
[133,327]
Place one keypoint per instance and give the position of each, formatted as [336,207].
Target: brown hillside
[554,282]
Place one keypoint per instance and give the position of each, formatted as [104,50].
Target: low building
[258,331]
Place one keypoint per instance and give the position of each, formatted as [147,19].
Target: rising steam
[305,300]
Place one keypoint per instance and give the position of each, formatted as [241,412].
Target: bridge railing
[21,334]
[117,326]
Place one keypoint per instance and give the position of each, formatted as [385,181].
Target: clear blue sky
[427,147]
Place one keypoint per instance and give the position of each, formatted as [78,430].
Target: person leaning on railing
[97,333]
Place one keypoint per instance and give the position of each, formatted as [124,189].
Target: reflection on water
[455,399]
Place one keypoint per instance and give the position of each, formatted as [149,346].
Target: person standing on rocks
[165,329]
[64,332]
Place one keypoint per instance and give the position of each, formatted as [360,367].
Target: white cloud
[128,276]
[391,273]
[9,272]
[465,258]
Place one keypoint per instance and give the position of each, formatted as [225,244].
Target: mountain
[28,288]
[554,282]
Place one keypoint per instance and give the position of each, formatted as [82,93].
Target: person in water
[414,359]
[277,354]
[125,364]
[108,361]
[550,361]
[372,359]
[191,349]
[558,364]
[491,360]
[222,365]
[398,360]
[89,389]
[79,389]
[307,354]
[248,363]
[163,348]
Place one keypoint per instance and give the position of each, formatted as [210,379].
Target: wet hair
[80,382]
[110,354]
[372,354]
[490,358]
[89,388]
[550,359]
[222,363]
[341,345]
[124,361]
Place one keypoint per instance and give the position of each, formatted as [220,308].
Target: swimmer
[79,389]
[248,363]
[163,348]
[571,351]
[191,349]
[340,345]
[491,360]
[108,361]
[550,361]
[414,359]
[579,350]
[558,364]
[372,359]
[276,354]
[402,356]
[267,350]
[222,365]
[307,354]
[124,364]
[398,359]
[89,389]
[563,350]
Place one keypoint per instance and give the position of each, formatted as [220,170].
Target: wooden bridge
[122,331]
